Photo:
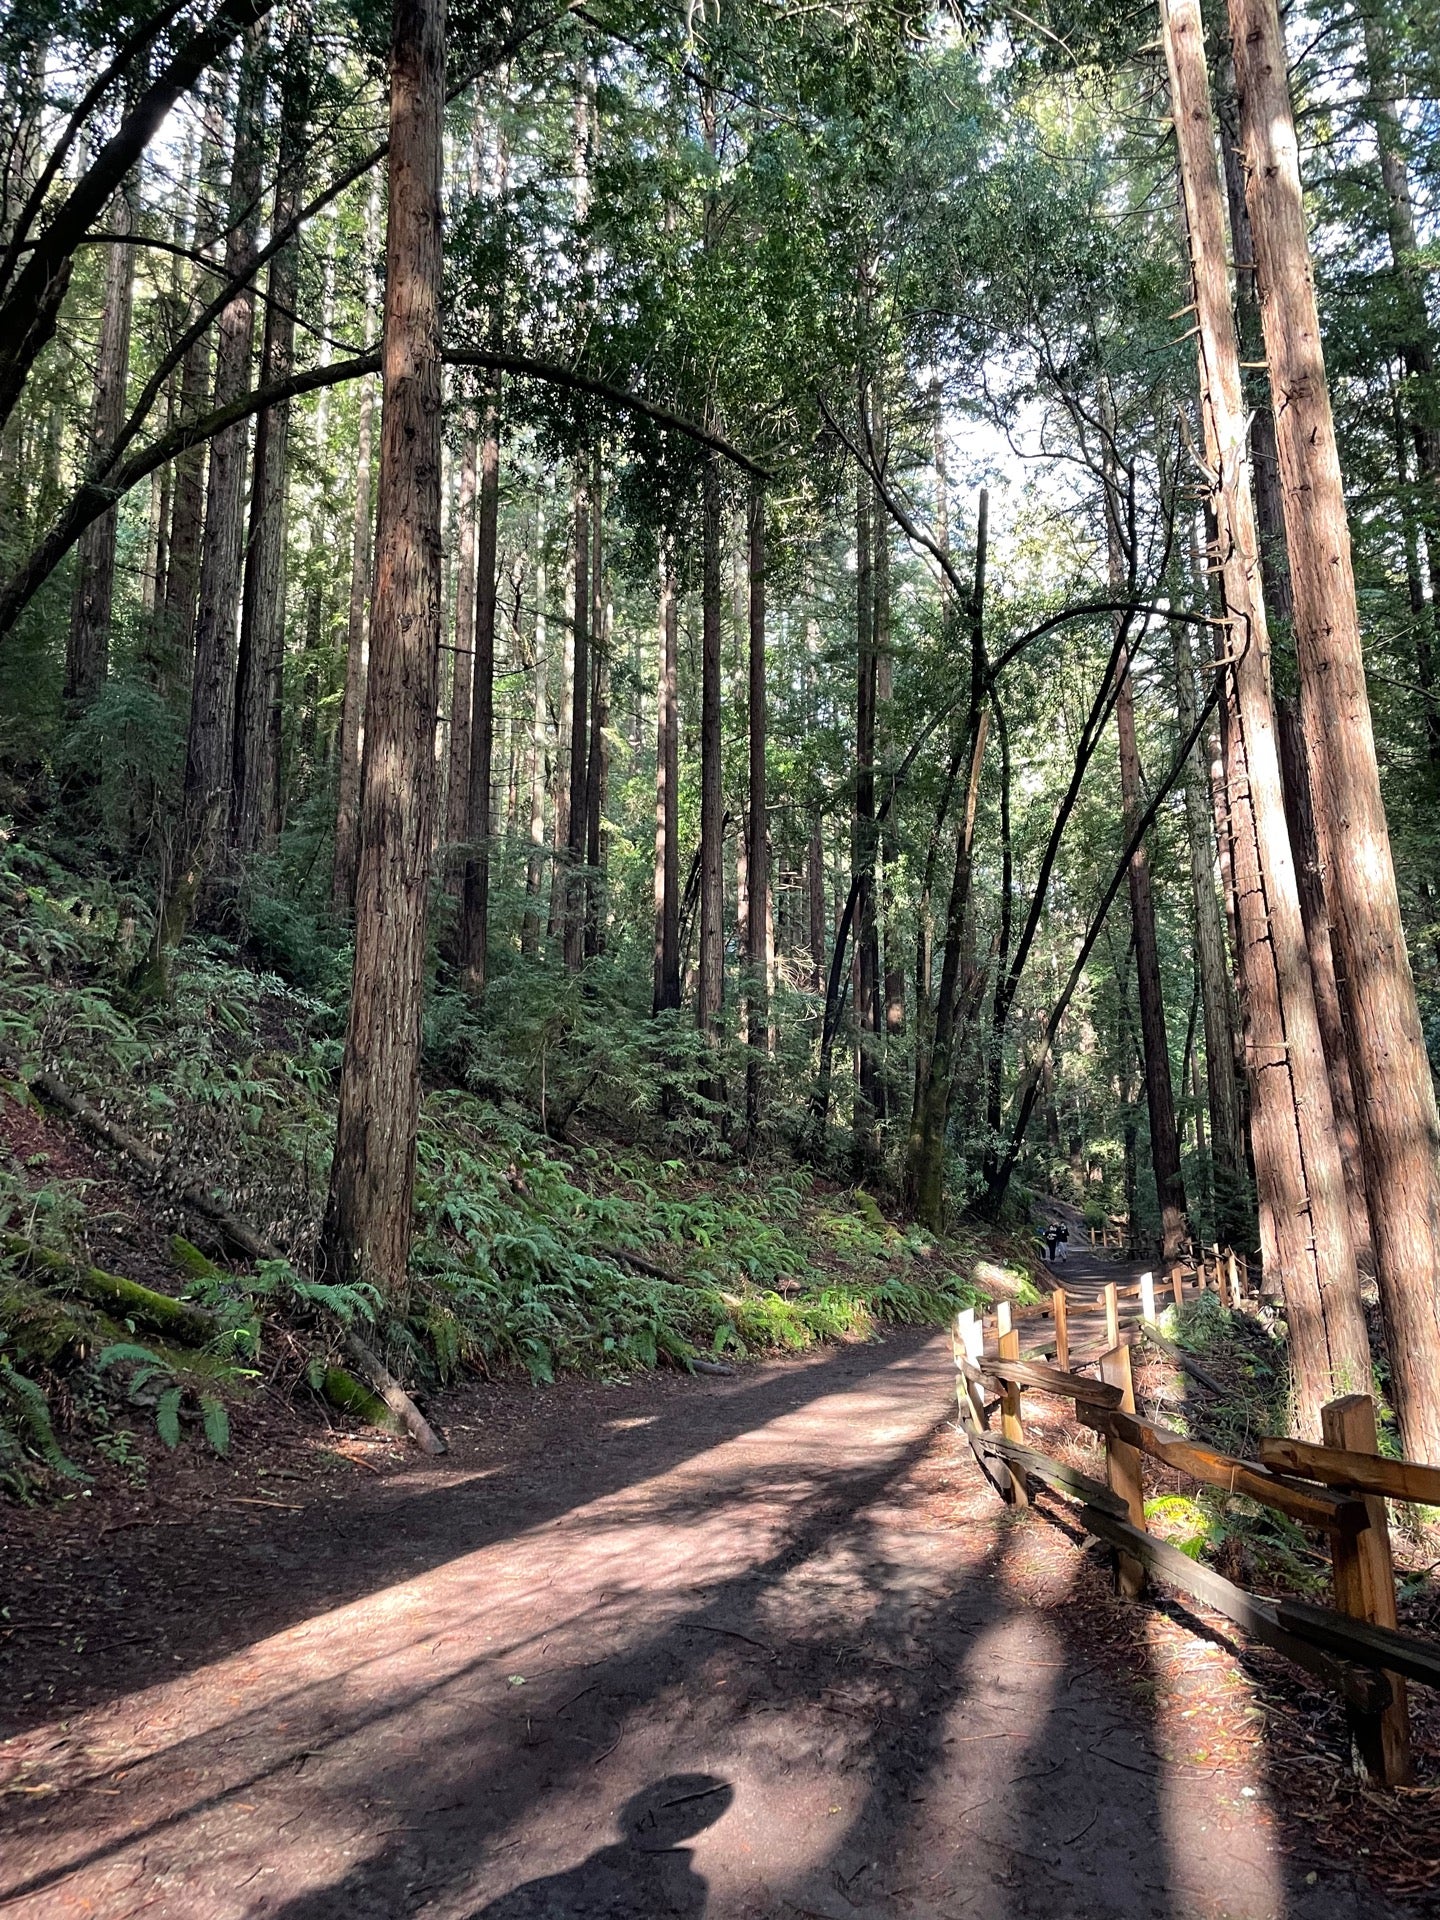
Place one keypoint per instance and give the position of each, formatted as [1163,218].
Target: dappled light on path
[820,1624]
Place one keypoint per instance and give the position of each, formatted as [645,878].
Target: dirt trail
[754,1647]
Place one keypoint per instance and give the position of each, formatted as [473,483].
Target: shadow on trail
[870,1731]
[646,1872]
[273,1573]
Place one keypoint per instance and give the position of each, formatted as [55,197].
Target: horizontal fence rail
[1338,1489]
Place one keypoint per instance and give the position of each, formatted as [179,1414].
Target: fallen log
[1183,1360]
[238,1232]
[178,1320]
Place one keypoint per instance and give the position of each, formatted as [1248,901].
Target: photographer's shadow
[645,1872]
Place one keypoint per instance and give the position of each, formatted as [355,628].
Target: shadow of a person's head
[674,1809]
[646,1871]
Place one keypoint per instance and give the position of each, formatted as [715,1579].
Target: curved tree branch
[98,494]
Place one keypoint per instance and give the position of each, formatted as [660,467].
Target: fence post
[1011,1424]
[1111,1298]
[1060,1308]
[1177,1283]
[1122,1470]
[1365,1589]
[1232,1269]
[1147,1297]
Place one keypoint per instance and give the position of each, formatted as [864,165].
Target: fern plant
[151,1371]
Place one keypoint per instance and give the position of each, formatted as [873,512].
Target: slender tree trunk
[539,733]
[367,1222]
[212,690]
[815,889]
[1394,1094]
[182,577]
[576,836]
[869,1096]
[561,770]
[1304,1224]
[599,700]
[757,956]
[1159,1091]
[1227,1120]
[667,793]
[87,654]
[254,824]
[357,639]
[475,891]
[462,682]
[711,997]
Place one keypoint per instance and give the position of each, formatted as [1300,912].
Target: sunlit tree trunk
[1394,1094]
[367,1220]
[1304,1222]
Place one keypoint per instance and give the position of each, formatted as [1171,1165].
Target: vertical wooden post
[1060,1308]
[1122,1470]
[966,1394]
[1147,1298]
[1365,1589]
[1112,1315]
[1233,1272]
[1011,1425]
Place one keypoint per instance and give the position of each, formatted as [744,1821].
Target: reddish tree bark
[367,1220]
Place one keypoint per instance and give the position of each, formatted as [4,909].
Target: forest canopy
[731,578]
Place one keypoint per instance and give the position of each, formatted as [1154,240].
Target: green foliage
[155,1380]
[27,1437]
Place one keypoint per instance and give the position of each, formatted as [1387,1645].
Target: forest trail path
[765,1646]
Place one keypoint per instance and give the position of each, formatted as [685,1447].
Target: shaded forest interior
[625,640]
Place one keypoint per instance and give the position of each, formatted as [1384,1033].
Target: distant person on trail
[1062,1242]
[1052,1240]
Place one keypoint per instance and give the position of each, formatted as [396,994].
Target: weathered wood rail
[1338,1489]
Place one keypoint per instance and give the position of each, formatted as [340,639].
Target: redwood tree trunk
[867,944]
[212,691]
[667,794]
[357,641]
[711,997]
[1304,1224]
[475,892]
[367,1222]
[255,792]
[539,733]
[87,653]
[1394,1095]
[757,863]
[1155,1045]
[1227,1121]
[1300,816]
[575,836]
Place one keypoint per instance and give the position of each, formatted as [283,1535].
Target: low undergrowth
[531,1255]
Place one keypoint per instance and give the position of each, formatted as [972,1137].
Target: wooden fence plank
[1052,1473]
[1365,1589]
[1381,1647]
[1341,1467]
[1260,1618]
[1311,1506]
[1011,1424]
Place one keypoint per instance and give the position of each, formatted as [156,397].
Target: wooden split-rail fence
[1338,1489]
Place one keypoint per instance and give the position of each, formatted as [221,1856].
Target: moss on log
[348,1395]
[178,1320]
